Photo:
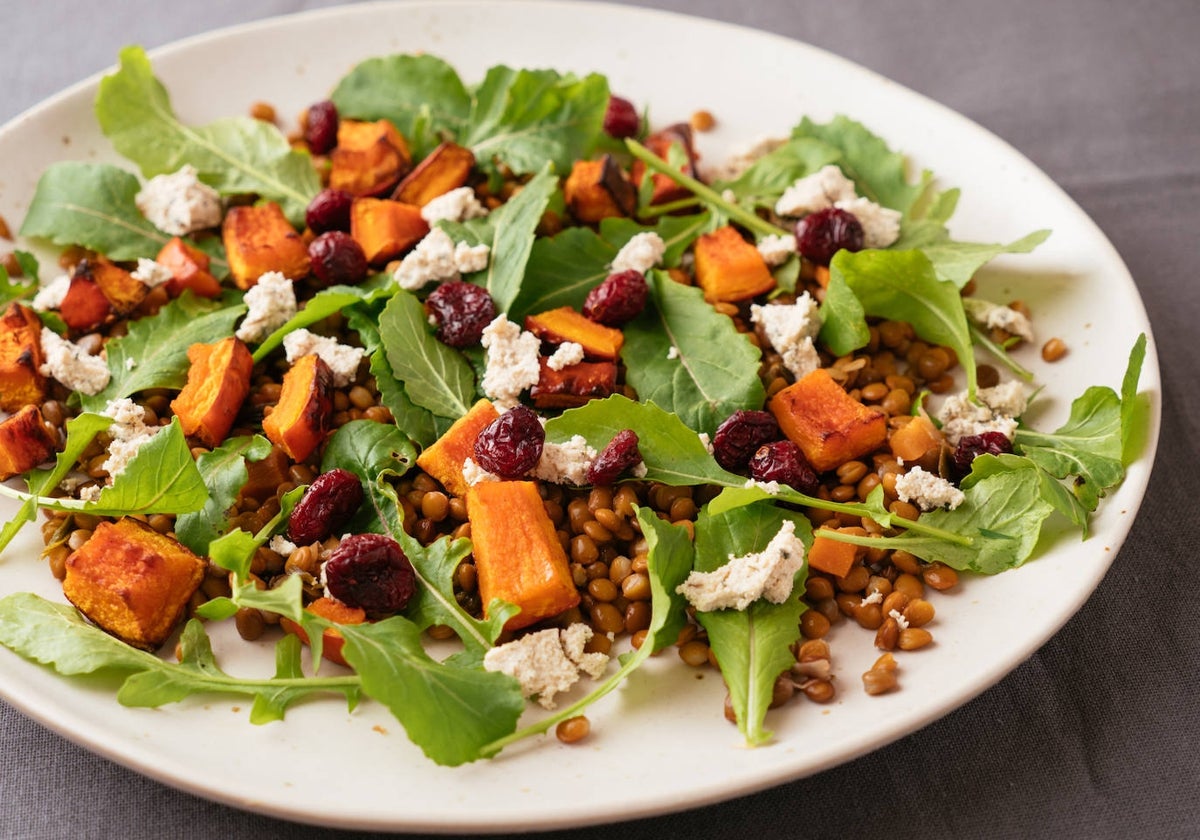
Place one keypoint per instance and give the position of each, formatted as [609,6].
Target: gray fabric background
[1098,735]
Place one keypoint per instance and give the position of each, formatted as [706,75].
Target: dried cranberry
[337,258]
[321,127]
[621,120]
[783,461]
[326,505]
[461,310]
[620,298]
[370,571]
[512,444]
[740,436]
[822,234]
[972,446]
[330,210]
[620,454]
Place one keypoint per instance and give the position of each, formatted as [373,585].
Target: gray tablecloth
[1098,735]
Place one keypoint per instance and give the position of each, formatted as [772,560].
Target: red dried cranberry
[620,298]
[783,461]
[321,127]
[822,234]
[971,447]
[740,436]
[326,505]
[337,258]
[621,120]
[330,210]
[620,454]
[461,310]
[511,445]
[370,571]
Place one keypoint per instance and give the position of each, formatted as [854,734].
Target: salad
[500,366]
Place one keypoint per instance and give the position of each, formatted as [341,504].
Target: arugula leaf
[768,178]
[1135,421]
[234,155]
[161,478]
[958,261]
[513,227]
[153,354]
[367,448]
[271,704]
[752,645]
[716,369]
[20,290]
[224,473]
[319,307]
[435,377]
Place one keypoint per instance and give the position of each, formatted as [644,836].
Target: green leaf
[957,262]
[843,321]
[20,290]
[768,177]
[367,448]
[270,705]
[513,226]
[319,307]
[435,377]
[55,634]
[234,155]
[224,473]
[153,354]
[161,478]
[1135,412]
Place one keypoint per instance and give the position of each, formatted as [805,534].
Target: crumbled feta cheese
[928,490]
[814,192]
[458,205]
[641,253]
[568,353]
[342,359]
[775,249]
[742,159]
[875,597]
[707,441]
[640,470]
[791,329]
[743,580]
[91,493]
[512,361]
[281,545]
[70,365]
[470,258]
[73,481]
[472,473]
[881,225]
[432,261]
[672,353]
[179,203]
[994,316]
[899,617]
[129,433]
[563,463]
[151,273]
[52,294]
[772,487]
[961,417]
[547,662]
[272,303]
[1007,398]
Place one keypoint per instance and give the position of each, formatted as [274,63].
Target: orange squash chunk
[660,142]
[85,307]
[730,269]
[20,357]
[517,553]
[259,239]
[264,477]
[445,168]
[332,640]
[599,189]
[565,324]
[132,581]
[370,157]
[915,439]
[385,229]
[24,442]
[830,556]
[574,385]
[304,412]
[189,269]
[444,459]
[122,290]
[828,425]
[217,384]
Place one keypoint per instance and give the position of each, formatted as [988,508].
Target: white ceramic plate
[660,740]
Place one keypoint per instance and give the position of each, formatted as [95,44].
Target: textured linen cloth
[1096,735]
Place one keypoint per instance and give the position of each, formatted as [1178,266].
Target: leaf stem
[670,207]
[981,338]
[858,509]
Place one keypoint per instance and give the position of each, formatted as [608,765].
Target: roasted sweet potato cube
[132,581]
[444,459]
[123,291]
[445,168]
[217,384]
[660,142]
[599,189]
[574,385]
[332,640]
[20,357]
[189,270]
[304,413]
[385,229]
[264,477]
[259,239]
[85,307]
[828,425]
[831,556]
[370,157]
[518,557]
[730,269]
[24,442]
[565,324]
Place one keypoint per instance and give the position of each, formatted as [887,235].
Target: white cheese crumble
[881,225]
[69,364]
[458,205]
[640,470]
[672,353]
[471,258]
[563,463]
[994,316]
[512,361]
[272,303]
[706,441]
[151,273]
[179,203]
[437,259]
[52,294]
[568,353]
[743,580]
[961,417]
[772,487]
[875,597]
[814,192]
[91,493]
[928,490]
[641,253]
[281,545]
[547,662]
[776,249]
[1007,398]
[129,433]
[342,359]
[472,473]
[899,617]
[743,158]
[791,329]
